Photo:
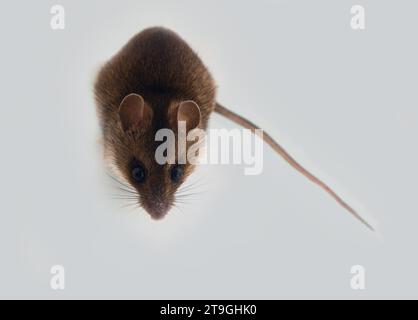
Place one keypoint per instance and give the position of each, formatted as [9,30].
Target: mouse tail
[289,159]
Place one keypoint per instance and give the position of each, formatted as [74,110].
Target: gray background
[343,102]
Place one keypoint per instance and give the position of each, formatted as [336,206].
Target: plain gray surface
[343,102]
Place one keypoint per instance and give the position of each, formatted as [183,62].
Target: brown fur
[158,65]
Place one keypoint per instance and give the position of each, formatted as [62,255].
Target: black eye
[138,173]
[176,173]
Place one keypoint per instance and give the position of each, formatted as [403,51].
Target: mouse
[155,80]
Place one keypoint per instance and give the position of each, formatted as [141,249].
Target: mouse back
[160,66]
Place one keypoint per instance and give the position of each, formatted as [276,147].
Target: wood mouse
[155,80]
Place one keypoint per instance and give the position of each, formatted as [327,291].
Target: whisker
[126,190]
[129,205]
[195,184]
[176,206]
[186,199]
[185,195]
[193,188]
[123,184]
[124,198]
[189,194]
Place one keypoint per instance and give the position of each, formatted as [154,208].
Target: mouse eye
[138,173]
[176,173]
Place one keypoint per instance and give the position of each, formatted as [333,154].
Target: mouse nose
[157,209]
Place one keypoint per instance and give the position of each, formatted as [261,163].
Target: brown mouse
[155,80]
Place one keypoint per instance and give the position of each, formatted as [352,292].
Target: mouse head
[134,153]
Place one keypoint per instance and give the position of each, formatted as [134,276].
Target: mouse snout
[157,208]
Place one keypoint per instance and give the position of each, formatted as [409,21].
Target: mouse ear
[189,112]
[134,113]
